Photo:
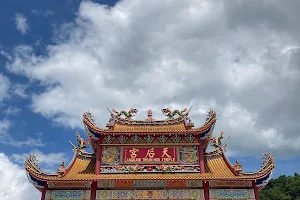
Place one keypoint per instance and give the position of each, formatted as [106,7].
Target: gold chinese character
[165,153]
[150,153]
[133,152]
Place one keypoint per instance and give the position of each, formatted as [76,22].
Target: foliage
[282,188]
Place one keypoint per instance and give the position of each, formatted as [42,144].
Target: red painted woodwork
[94,189]
[44,192]
[256,192]
[201,157]
[206,190]
[98,158]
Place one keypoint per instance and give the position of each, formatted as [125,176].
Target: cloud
[14,183]
[11,110]
[42,13]
[4,126]
[4,87]
[21,23]
[233,57]
[7,139]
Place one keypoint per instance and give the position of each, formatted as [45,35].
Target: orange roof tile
[147,128]
[216,168]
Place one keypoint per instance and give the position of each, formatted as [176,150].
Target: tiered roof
[217,167]
[182,125]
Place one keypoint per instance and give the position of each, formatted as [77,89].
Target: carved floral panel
[150,194]
[68,194]
[245,194]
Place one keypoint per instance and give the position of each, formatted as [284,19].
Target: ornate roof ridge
[148,122]
[32,166]
[267,165]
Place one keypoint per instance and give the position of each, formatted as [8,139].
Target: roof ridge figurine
[216,141]
[171,114]
[82,143]
[149,116]
[128,114]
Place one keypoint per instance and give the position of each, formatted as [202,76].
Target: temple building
[150,159]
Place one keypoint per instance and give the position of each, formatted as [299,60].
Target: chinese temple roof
[179,124]
[217,167]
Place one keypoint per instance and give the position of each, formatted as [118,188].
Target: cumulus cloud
[14,183]
[39,13]
[11,110]
[21,23]
[238,58]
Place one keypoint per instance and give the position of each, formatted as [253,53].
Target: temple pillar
[93,191]
[201,157]
[206,190]
[98,157]
[256,192]
[44,192]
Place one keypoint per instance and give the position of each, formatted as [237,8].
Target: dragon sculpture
[167,112]
[32,160]
[216,141]
[209,114]
[128,115]
[82,143]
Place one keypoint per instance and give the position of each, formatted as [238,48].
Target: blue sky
[59,59]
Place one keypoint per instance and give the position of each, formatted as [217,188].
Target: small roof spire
[238,168]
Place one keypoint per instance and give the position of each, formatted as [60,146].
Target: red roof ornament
[149,116]
[238,168]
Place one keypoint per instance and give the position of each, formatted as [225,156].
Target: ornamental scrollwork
[32,160]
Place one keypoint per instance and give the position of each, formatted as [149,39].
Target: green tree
[282,188]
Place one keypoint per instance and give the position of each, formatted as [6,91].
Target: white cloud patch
[39,13]
[4,87]
[4,126]
[7,139]
[173,53]
[12,110]
[14,183]
[21,23]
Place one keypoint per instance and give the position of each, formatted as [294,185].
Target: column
[256,192]
[94,189]
[206,190]
[98,157]
[44,192]
[201,157]
[202,169]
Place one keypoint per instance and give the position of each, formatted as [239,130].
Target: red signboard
[146,155]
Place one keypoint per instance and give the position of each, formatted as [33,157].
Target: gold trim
[150,163]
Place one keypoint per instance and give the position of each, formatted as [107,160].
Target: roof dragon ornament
[171,114]
[210,114]
[128,114]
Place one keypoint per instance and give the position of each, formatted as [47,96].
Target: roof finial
[238,168]
[149,116]
[62,169]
